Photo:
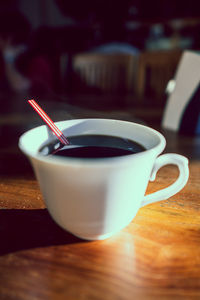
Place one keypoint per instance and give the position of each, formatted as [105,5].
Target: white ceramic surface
[93,199]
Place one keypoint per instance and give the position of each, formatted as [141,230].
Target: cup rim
[59,160]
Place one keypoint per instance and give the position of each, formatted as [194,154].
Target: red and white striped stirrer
[49,122]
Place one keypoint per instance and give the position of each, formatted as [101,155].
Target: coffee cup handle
[175,159]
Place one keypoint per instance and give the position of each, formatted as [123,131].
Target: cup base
[94,237]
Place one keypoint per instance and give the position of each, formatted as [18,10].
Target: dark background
[57,27]
[93,22]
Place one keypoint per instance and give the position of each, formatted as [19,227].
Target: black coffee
[93,146]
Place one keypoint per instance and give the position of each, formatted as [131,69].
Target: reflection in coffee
[92,146]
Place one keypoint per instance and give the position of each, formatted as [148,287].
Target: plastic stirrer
[49,122]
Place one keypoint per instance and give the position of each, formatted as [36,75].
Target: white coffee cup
[95,198]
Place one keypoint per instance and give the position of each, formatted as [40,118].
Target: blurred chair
[105,73]
[182,110]
[155,69]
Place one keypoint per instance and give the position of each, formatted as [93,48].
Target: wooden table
[157,256]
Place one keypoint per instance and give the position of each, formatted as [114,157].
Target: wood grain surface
[157,256]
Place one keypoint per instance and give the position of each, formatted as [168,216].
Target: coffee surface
[93,146]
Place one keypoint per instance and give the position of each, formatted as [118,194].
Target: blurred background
[91,58]
[123,52]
